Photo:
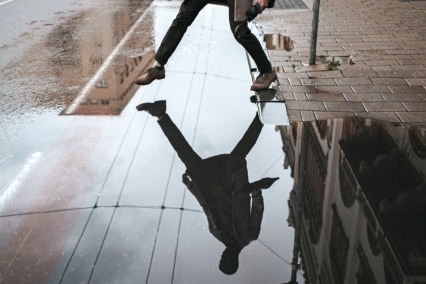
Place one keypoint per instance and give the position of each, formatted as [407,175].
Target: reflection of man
[221,186]
[188,11]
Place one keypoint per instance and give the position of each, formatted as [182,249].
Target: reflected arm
[256,214]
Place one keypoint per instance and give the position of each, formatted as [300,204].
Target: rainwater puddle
[375,186]
[110,89]
[45,68]
[278,41]
[55,71]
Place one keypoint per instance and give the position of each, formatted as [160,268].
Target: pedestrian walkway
[381,48]
[100,199]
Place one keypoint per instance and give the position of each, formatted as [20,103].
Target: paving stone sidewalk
[381,46]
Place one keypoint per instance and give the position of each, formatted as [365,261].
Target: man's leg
[184,150]
[179,143]
[245,37]
[249,138]
[187,13]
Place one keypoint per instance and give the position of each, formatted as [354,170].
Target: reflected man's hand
[266,182]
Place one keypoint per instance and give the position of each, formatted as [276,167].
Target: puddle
[375,186]
[53,73]
[278,41]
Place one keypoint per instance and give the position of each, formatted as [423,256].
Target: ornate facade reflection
[361,184]
[132,46]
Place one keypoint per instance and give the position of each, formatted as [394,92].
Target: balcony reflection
[358,204]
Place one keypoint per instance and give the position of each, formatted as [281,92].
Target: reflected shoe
[263,81]
[157,108]
[153,73]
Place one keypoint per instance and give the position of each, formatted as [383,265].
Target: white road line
[19,179]
[94,80]
[5,2]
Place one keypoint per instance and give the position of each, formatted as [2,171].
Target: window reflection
[363,195]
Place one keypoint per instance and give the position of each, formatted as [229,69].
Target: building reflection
[359,200]
[278,41]
[132,46]
[115,89]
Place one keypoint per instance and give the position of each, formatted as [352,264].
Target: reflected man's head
[229,261]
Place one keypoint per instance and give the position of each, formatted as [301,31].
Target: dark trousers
[188,12]
[208,170]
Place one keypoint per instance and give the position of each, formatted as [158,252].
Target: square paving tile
[384,106]
[419,117]
[344,106]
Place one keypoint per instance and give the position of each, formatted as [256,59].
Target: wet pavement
[381,50]
[51,52]
[360,205]
[100,198]
[95,195]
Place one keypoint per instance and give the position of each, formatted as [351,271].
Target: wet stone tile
[412,116]
[381,116]
[325,97]
[325,74]
[350,73]
[294,115]
[415,106]
[299,89]
[295,82]
[334,89]
[305,105]
[416,81]
[402,97]
[393,74]
[384,106]
[307,115]
[320,115]
[285,96]
[389,82]
[371,89]
[344,106]
[353,81]
[408,89]
[316,82]
[382,68]
[300,97]
[363,97]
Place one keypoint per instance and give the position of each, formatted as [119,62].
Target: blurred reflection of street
[45,68]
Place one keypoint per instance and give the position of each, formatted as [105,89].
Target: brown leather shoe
[263,81]
[153,73]
[157,108]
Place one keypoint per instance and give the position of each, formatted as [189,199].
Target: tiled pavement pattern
[100,199]
[290,4]
[384,39]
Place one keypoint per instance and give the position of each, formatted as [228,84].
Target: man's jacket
[226,203]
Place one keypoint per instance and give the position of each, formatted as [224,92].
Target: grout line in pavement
[98,207]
